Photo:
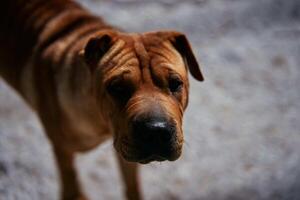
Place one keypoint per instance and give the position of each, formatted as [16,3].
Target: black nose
[154,135]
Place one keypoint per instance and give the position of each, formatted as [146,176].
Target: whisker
[187,144]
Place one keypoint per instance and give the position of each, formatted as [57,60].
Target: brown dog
[88,81]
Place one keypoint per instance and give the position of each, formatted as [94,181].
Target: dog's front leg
[129,171]
[70,185]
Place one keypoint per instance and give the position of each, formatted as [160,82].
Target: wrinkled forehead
[139,52]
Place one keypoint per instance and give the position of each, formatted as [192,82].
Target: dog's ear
[95,48]
[182,45]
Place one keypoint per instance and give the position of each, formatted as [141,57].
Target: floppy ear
[95,48]
[183,46]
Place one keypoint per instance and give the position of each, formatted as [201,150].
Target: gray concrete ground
[242,126]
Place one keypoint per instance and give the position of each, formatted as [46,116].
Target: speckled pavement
[242,126]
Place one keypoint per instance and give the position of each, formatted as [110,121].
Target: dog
[89,81]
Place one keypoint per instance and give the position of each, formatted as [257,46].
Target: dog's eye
[120,90]
[175,84]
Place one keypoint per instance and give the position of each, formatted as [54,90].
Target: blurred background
[242,126]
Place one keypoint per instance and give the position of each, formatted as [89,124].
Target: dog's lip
[144,158]
[151,159]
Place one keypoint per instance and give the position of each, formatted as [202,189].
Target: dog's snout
[155,137]
[153,131]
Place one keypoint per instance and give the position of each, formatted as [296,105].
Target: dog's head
[141,84]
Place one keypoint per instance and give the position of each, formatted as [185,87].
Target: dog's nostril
[153,132]
[158,131]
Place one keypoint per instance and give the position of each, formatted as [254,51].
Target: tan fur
[61,59]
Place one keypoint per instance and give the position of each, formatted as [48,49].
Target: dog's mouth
[132,153]
[144,159]
[151,159]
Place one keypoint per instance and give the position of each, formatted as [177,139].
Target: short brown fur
[64,61]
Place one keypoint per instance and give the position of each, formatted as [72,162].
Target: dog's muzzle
[155,138]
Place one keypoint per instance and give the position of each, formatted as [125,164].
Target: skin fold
[88,82]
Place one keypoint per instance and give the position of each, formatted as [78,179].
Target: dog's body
[88,81]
